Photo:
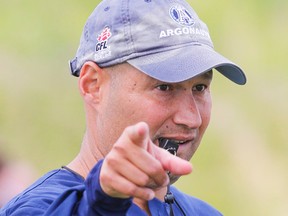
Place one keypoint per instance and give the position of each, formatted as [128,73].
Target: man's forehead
[207,75]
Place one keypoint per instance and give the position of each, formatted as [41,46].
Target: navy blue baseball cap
[164,39]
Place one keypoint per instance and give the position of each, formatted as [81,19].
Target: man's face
[178,111]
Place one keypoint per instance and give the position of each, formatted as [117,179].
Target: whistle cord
[180,207]
[170,199]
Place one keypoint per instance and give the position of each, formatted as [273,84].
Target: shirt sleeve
[89,199]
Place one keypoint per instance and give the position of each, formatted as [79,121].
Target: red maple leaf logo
[104,35]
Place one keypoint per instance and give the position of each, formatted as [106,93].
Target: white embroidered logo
[181,15]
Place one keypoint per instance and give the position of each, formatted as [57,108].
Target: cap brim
[187,62]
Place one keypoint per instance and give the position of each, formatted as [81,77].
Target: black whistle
[168,145]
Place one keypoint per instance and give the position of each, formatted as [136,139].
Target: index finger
[172,163]
[139,134]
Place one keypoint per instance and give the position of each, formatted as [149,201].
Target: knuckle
[105,178]
[132,190]
[156,169]
[111,161]
[144,181]
[119,149]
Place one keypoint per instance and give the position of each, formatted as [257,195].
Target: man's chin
[174,178]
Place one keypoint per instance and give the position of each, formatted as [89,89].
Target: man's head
[152,61]
[119,96]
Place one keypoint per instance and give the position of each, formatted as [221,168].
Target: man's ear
[90,80]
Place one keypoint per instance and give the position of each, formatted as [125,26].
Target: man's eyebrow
[207,75]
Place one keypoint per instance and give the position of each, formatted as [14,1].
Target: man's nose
[187,113]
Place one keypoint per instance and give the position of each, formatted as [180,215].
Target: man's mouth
[169,145]
[179,142]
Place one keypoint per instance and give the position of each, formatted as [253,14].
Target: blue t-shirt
[62,192]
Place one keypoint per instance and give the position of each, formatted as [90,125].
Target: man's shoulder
[54,181]
[193,204]
[43,191]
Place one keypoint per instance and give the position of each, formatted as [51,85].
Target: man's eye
[199,88]
[164,87]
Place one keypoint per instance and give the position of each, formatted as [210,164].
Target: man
[145,69]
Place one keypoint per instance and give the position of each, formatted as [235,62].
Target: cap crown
[119,30]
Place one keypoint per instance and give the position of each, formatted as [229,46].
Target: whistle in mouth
[168,145]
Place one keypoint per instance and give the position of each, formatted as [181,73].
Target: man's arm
[89,199]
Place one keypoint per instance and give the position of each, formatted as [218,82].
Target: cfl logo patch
[102,39]
[102,49]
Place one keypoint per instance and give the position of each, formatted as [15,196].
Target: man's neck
[86,159]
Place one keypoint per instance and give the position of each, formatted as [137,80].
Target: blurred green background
[240,167]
